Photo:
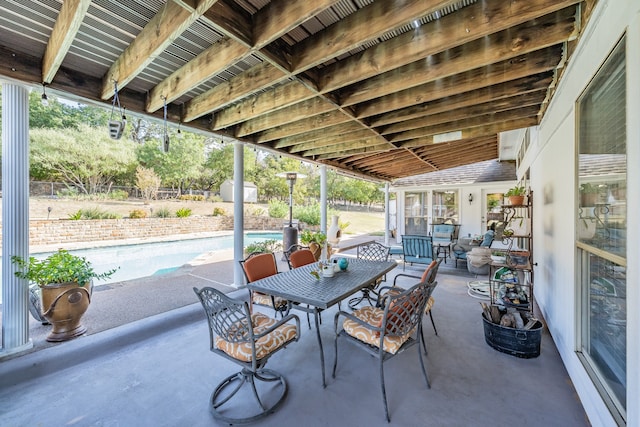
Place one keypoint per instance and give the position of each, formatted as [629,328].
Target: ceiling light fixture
[116,127]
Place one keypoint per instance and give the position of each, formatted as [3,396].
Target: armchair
[259,265]
[386,333]
[373,251]
[248,340]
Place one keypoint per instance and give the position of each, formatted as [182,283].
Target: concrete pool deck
[121,303]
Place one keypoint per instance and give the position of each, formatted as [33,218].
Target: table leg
[316,317]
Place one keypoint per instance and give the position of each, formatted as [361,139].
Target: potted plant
[516,195]
[66,283]
[588,194]
[315,240]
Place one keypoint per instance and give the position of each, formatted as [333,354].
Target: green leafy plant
[271,245]
[309,214]
[183,212]
[163,213]
[517,190]
[118,195]
[307,236]
[59,267]
[278,209]
[93,213]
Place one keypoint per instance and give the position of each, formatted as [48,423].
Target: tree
[148,183]
[85,158]
[181,166]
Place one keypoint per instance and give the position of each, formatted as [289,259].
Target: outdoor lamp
[470,198]
[44,99]
[290,233]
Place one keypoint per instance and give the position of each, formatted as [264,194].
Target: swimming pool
[148,259]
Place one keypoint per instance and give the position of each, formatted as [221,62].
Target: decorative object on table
[516,195]
[328,270]
[66,284]
[343,263]
[248,340]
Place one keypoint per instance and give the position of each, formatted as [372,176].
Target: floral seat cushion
[373,316]
[265,300]
[264,345]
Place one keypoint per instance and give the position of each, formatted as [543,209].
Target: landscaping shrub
[162,213]
[193,197]
[309,214]
[215,198]
[264,246]
[183,212]
[94,213]
[254,211]
[138,213]
[118,195]
[217,211]
[278,209]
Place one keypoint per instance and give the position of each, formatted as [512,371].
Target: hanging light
[44,99]
[116,127]
[179,133]
[165,139]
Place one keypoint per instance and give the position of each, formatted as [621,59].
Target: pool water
[148,259]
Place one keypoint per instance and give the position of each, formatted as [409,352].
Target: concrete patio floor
[145,362]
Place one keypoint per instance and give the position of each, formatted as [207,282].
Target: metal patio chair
[385,333]
[259,265]
[372,251]
[298,255]
[248,340]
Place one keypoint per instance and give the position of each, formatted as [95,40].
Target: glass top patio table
[301,287]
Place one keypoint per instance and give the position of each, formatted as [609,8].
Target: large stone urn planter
[63,305]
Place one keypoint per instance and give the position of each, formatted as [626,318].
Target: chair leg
[424,369]
[384,392]
[432,323]
[220,396]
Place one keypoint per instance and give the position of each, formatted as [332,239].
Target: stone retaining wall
[50,232]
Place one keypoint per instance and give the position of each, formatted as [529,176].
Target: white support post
[238,212]
[323,199]
[15,217]
[386,214]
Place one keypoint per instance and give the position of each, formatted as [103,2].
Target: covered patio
[159,371]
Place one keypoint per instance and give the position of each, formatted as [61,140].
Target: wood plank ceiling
[378,88]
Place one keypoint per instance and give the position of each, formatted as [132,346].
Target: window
[601,226]
[445,207]
[416,213]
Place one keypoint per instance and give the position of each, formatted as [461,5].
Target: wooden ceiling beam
[522,66]
[277,97]
[67,24]
[454,112]
[474,132]
[300,111]
[213,60]
[467,24]
[366,24]
[168,24]
[319,134]
[369,149]
[280,16]
[467,123]
[495,48]
[329,141]
[319,122]
[256,78]
[348,145]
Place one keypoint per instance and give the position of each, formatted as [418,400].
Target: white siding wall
[552,165]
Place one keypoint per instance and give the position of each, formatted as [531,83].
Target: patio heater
[290,233]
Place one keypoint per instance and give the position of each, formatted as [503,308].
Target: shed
[250,191]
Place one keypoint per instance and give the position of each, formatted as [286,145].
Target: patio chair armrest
[280,323]
[404,275]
